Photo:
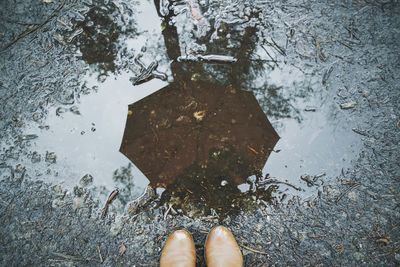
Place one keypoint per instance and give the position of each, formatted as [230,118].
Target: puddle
[82,138]
[88,138]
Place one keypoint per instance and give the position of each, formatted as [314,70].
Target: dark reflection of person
[243,74]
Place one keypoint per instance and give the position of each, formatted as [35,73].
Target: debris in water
[86,180]
[27,137]
[60,111]
[208,58]
[360,132]
[44,127]
[110,199]
[326,75]
[75,110]
[148,195]
[348,105]
[36,157]
[66,98]
[146,73]
[51,157]
[74,34]
[199,115]
[311,180]
[37,116]
[19,172]
[275,181]
[252,150]
[308,179]
[310,108]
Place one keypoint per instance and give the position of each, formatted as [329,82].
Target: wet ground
[325,75]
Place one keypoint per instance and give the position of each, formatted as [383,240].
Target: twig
[274,181]
[99,251]
[253,250]
[26,33]
[69,257]
[352,34]
[360,132]
[279,49]
[166,213]
[252,150]
[344,44]
[341,58]
[326,75]
[110,199]
[207,58]
[345,192]
[266,51]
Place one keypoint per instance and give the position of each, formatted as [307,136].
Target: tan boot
[221,249]
[179,250]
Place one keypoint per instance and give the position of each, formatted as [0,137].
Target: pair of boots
[220,250]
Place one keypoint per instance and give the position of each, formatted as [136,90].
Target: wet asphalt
[347,57]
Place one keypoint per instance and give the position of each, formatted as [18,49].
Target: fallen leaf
[122,249]
[199,115]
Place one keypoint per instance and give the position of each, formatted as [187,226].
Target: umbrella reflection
[199,138]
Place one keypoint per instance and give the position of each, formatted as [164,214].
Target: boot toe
[221,249]
[179,250]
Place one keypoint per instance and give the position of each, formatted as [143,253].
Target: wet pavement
[325,76]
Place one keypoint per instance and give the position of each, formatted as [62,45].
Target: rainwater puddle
[83,140]
[87,138]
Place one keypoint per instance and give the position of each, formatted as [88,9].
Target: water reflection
[312,143]
[124,181]
[98,34]
[198,138]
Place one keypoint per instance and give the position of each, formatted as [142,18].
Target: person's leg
[179,250]
[221,249]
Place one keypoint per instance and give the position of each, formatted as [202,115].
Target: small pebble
[348,105]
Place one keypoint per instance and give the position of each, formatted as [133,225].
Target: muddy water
[82,136]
